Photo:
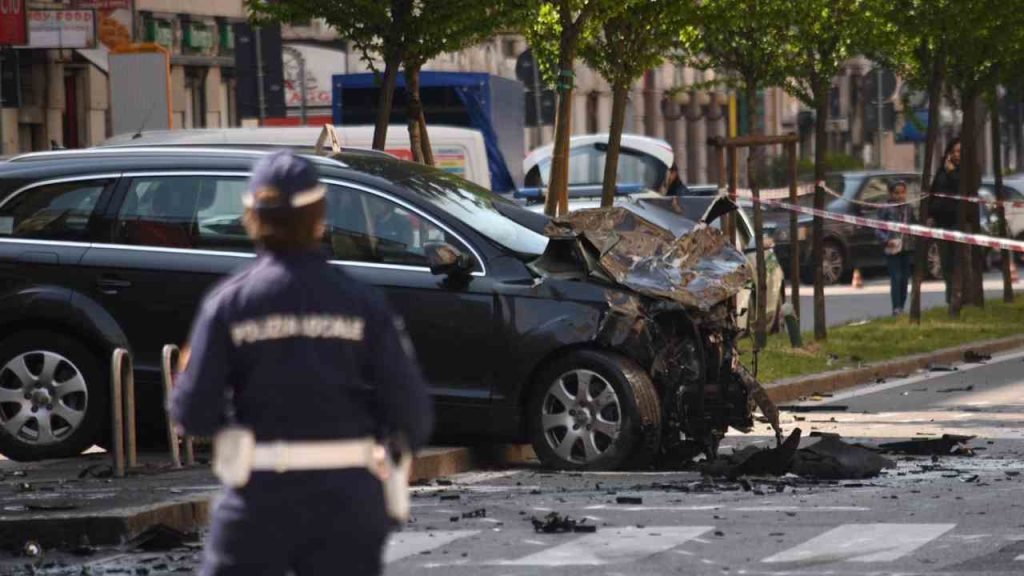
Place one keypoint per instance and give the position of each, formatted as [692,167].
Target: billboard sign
[61,29]
[13,24]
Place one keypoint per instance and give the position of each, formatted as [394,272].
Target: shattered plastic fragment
[937,446]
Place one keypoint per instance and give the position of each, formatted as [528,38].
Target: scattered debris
[449,497]
[453,519]
[19,474]
[942,368]
[480,513]
[819,408]
[161,537]
[629,500]
[831,458]
[945,445]
[975,357]
[963,389]
[84,547]
[100,471]
[756,461]
[50,506]
[443,482]
[32,549]
[555,523]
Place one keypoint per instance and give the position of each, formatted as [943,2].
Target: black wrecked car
[606,339]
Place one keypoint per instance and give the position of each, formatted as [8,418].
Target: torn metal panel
[686,262]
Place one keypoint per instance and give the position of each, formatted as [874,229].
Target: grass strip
[887,338]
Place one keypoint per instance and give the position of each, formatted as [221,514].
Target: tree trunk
[557,201]
[753,171]
[821,91]
[974,292]
[384,101]
[931,137]
[413,111]
[428,151]
[997,171]
[611,163]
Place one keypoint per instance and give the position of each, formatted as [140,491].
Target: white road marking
[721,507]
[863,543]
[405,544]
[1019,558]
[615,546]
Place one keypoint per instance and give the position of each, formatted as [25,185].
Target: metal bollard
[122,405]
[168,359]
[792,326]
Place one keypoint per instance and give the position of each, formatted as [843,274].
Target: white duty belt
[236,455]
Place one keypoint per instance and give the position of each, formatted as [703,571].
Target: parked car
[643,164]
[457,150]
[776,293]
[1013,190]
[521,335]
[845,246]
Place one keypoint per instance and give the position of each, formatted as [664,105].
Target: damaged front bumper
[670,308]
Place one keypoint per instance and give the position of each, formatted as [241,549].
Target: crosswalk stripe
[863,543]
[612,546]
[405,544]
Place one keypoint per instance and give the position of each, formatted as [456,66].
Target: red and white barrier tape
[978,200]
[910,229]
[808,189]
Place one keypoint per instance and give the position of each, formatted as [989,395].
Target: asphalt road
[845,304]
[951,515]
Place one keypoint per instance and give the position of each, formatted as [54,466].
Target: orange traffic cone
[858,281]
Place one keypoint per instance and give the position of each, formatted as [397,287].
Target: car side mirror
[447,260]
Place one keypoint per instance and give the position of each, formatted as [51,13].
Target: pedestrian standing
[302,367]
[896,245]
[942,212]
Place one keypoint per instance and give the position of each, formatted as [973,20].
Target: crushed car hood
[659,247]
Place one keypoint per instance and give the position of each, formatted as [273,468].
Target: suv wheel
[53,397]
[833,263]
[594,411]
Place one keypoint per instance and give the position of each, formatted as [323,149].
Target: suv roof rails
[159,150]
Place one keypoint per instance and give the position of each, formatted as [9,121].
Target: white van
[457,150]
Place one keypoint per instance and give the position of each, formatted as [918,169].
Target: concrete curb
[790,389]
[108,528]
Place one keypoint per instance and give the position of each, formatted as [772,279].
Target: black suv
[110,248]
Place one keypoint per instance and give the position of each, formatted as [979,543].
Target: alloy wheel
[43,398]
[581,416]
[831,263]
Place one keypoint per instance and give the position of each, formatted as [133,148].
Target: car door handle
[109,285]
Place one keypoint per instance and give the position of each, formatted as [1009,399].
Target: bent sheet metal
[661,248]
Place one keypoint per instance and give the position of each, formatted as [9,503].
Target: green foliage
[554,26]
[636,39]
[887,338]
[748,37]
[824,34]
[413,31]
[778,169]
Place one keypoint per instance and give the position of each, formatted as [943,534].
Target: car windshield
[478,208]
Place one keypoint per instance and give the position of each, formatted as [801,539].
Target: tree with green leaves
[402,33]
[913,39]
[436,27]
[555,35]
[623,48]
[748,38]
[987,41]
[824,34]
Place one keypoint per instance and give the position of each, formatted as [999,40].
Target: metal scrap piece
[761,399]
[690,263]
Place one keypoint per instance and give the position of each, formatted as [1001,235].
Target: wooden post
[168,358]
[128,380]
[116,414]
[794,231]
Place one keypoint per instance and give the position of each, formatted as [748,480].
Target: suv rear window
[59,211]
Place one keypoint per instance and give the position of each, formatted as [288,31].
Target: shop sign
[61,29]
[13,25]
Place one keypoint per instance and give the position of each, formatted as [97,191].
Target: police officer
[314,364]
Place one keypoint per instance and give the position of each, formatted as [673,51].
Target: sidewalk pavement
[76,502]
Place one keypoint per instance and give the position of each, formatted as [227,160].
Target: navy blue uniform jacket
[297,350]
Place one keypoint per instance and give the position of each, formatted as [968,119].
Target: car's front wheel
[53,396]
[594,411]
